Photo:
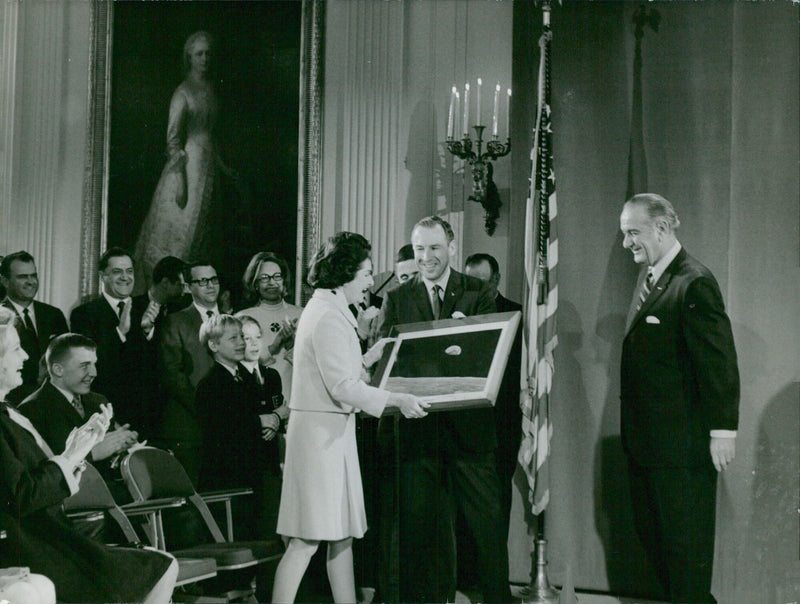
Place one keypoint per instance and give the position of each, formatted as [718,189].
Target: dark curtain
[720,86]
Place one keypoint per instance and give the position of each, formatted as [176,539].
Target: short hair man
[148,312]
[454,448]
[267,278]
[507,413]
[679,399]
[64,402]
[38,322]
[108,321]
[183,362]
[405,266]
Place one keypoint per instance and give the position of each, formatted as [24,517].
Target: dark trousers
[432,490]
[673,511]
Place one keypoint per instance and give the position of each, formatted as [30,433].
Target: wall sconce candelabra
[484,190]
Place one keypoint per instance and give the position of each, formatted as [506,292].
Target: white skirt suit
[322,497]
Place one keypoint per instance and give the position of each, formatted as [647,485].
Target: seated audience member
[38,322]
[149,311]
[183,361]
[19,586]
[266,283]
[33,485]
[108,320]
[64,401]
[235,450]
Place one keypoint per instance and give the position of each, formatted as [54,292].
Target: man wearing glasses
[183,362]
[266,284]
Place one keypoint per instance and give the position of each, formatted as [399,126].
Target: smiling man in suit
[120,341]
[38,322]
[679,399]
[183,361]
[446,459]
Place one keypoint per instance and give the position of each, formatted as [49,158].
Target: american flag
[541,297]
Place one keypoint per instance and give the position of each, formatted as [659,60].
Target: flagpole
[540,591]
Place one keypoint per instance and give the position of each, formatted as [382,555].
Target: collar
[203,310]
[337,299]
[231,370]
[70,396]
[114,302]
[659,267]
[441,281]
[20,309]
[251,366]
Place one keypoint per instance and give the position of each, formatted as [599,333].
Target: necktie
[258,377]
[436,301]
[26,319]
[237,377]
[647,287]
[120,308]
[76,402]
[209,314]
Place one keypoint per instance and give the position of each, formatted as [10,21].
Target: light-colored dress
[176,220]
[322,497]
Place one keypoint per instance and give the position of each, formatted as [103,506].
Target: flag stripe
[541,298]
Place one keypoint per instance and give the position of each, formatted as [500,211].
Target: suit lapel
[658,290]
[419,294]
[452,293]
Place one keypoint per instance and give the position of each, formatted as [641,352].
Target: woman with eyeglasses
[33,485]
[266,284]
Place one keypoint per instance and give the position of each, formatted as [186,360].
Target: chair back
[95,495]
[152,473]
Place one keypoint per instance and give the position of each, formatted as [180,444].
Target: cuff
[723,434]
[71,473]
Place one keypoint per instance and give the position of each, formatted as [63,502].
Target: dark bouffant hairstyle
[337,260]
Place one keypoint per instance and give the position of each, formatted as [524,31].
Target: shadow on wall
[772,535]
[422,161]
[626,567]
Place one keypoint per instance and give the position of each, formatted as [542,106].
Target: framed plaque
[451,363]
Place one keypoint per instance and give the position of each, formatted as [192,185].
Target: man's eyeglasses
[277,278]
[205,281]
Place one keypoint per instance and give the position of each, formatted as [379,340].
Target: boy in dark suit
[235,451]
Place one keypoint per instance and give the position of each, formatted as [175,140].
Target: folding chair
[94,502]
[152,473]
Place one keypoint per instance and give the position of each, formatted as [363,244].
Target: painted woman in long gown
[177,220]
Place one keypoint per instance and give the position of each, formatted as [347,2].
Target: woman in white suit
[322,498]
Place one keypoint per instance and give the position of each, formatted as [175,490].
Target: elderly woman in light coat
[322,497]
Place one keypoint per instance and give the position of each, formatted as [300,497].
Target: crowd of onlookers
[176,368]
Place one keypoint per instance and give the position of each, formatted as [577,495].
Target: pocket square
[652,320]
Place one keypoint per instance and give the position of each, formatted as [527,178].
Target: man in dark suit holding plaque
[679,399]
[447,459]
[37,322]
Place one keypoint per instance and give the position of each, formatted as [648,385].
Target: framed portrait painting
[194,148]
[450,363]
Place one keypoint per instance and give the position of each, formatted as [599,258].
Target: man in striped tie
[679,399]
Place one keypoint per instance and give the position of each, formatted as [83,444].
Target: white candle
[495,109]
[466,109]
[508,115]
[478,117]
[458,102]
[450,113]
